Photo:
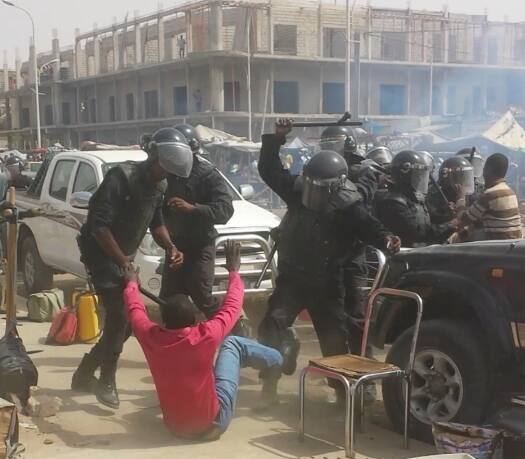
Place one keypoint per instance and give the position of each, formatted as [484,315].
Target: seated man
[197,400]
[496,209]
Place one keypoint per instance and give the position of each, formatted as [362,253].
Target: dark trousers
[116,328]
[194,278]
[325,306]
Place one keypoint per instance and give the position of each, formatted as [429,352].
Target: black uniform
[313,248]
[438,208]
[405,214]
[194,233]
[127,203]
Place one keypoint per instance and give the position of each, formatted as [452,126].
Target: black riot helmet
[411,169]
[188,131]
[457,171]
[341,139]
[474,158]
[170,148]
[323,175]
[380,155]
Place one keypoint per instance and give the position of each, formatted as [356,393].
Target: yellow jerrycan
[88,326]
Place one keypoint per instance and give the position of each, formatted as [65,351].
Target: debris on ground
[41,405]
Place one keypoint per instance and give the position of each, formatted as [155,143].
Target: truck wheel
[37,276]
[450,380]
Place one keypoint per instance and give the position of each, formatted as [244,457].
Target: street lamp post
[35,69]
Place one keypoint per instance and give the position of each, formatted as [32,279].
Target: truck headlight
[150,248]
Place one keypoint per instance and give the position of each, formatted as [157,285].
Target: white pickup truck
[47,244]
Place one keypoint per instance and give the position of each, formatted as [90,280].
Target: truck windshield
[231,189]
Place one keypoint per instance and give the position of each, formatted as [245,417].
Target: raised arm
[270,167]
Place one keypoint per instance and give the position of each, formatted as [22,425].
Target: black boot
[106,389]
[268,397]
[84,377]
[290,346]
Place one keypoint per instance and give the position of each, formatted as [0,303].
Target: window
[112,109]
[24,118]
[476,100]
[66,114]
[232,96]
[333,97]
[392,99]
[86,179]
[180,100]
[60,179]
[151,104]
[451,100]
[493,51]
[334,44]
[130,107]
[478,50]
[286,97]
[393,46]
[285,39]
[48,115]
[92,110]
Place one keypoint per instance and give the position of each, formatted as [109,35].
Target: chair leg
[361,425]
[350,450]
[408,391]
[302,388]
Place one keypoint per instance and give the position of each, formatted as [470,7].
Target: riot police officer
[191,136]
[381,155]
[341,139]
[477,161]
[128,202]
[325,217]
[455,174]
[403,209]
[193,205]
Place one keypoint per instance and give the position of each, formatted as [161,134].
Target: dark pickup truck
[470,355]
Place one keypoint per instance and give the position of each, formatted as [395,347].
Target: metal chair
[354,372]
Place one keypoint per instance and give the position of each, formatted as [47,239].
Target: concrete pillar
[78,56]
[116,53]
[56,55]
[409,92]
[189,33]
[215,27]
[270,31]
[320,37]
[32,57]
[321,81]
[5,78]
[409,36]
[485,44]
[444,30]
[18,67]
[96,51]
[216,86]
[161,39]
[56,93]
[138,44]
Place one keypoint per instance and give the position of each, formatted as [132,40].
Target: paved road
[85,429]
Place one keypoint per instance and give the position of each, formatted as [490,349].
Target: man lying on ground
[197,400]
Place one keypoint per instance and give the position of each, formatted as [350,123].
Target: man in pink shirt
[197,400]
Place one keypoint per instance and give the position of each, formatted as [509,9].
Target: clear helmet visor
[477,164]
[176,158]
[316,194]
[419,179]
[463,178]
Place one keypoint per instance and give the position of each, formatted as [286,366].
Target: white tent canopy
[507,132]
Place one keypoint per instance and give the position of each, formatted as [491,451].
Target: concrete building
[191,63]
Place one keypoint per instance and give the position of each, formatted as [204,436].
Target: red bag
[63,328]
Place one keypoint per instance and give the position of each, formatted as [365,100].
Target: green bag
[43,306]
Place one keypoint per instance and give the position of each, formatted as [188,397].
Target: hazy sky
[66,15]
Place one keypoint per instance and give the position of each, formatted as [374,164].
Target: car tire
[450,380]
[36,274]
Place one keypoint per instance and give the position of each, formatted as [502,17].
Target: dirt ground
[85,429]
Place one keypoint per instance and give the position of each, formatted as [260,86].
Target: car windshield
[106,167]
[33,167]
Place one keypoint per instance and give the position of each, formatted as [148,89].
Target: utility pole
[348,64]
[35,69]
[249,76]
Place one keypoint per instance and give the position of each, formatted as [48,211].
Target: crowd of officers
[344,201]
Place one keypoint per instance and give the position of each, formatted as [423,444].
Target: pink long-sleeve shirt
[181,361]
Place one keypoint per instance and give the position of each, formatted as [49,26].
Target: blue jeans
[234,354]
